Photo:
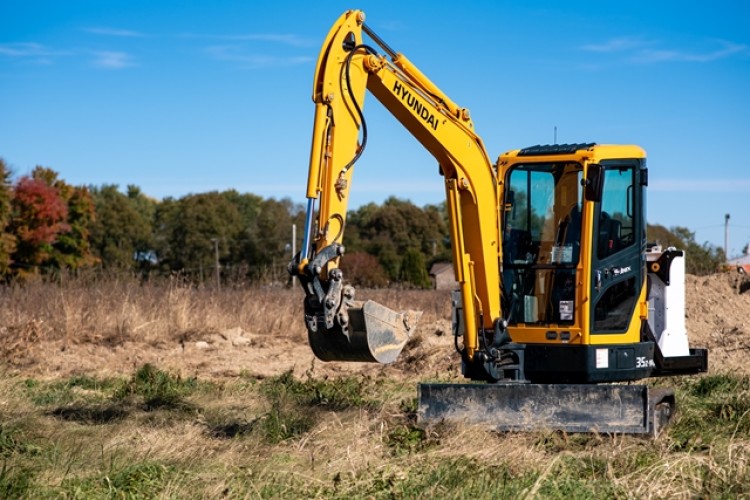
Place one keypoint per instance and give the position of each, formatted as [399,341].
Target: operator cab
[573,268]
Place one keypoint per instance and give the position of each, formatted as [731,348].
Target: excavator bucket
[375,334]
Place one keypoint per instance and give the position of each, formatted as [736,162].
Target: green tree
[437,218]
[272,234]
[189,227]
[123,227]
[395,228]
[7,240]
[243,251]
[144,205]
[700,259]
[414,269]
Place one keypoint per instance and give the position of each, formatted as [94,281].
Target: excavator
[561,302]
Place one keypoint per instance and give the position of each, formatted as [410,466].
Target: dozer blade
[619,409]
[375,334]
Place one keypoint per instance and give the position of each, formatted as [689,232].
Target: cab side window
[616,215]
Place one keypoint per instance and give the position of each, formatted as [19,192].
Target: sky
[187,97]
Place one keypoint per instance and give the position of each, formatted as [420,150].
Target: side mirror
[594,182]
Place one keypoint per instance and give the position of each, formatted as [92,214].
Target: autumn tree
[72,247]
[39,215]
[363,270]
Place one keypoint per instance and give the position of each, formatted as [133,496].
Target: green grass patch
[285,421]
[408,439]
[88,400]
[16,481]
[157,389]
[333,394]
[709,408]
[378,450]
[11,441]
[438,478]
[295,405]
[18,454]
[77,388]
[145,479]
[141,479]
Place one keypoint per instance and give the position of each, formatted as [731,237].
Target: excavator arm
[339,327]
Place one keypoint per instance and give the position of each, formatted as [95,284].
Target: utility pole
[726,236]
[216,258]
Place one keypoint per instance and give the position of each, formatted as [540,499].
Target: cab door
[617,252]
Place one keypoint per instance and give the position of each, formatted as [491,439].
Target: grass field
[154,434]
[158,430]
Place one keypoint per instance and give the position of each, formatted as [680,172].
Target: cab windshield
[541,241]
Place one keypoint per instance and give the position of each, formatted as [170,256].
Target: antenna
[555,136]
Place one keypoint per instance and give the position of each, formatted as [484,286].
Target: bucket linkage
[342,329]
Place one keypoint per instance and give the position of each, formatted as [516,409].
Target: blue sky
[185,97]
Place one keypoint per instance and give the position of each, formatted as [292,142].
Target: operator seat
[609,241]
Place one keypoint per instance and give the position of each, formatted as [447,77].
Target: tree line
[48,226]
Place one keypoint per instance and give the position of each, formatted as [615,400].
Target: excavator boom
[339,327]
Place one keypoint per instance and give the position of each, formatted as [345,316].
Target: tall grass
[116,310]
[113,312]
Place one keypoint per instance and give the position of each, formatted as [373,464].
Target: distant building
[442,276]
[741,263]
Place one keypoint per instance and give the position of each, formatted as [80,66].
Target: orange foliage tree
[50,222]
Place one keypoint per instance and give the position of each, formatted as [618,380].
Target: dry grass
[243,410]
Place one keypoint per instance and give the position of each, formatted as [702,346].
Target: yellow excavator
[560,298]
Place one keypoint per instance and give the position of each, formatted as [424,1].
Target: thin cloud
[30,51]
[105,31]
[728,49]
[291,40]
[700,185]
[113,60]
[278,38]
[40,54]
[618,44]
[237,54]
[641,51]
